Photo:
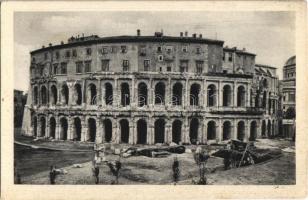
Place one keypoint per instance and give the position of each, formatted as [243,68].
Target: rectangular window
[74,53]
[169,49]
[63,68]
[185,49]
[89,51]
[160,58]
[159,49]
[212,68]
[223,56]
[198,50]
[168,69]
[55,68]
[79,66]
[87,66]
[292,97]
[125,65]
[68,54]
[105,65]
[230,57]
[113,49]
[123,49]
[142,51]
[146,64]
[199,66]
[57,55]
[169,66]
[104,50]
[183,65]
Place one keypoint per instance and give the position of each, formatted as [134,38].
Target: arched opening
[241,96]
[142,94]
[211,130]
[193,130]
[108,130]
[227,95]
[141,131]
[264,99]
[253,131]
[34,122]
[194,94]
[64,94]
[125,94]
[124,126]
[63,128]
[77,129]
[78,94]
[226,135]
[176,131]
[43,95]
[160,93]
[91,129]
[159,127]
[35,95]
[263,128]
[53,95]
[108,94]
[269,104]
[273,128]
[269,128]
[257,104]
[241,130]
[177,94]
[211,95]
[92,94]
[43,126]
[52,127]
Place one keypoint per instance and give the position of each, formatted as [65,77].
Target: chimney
[244,49]
[50,44]
[186,34]
[62,42]
[194,35]
[138,32]
[200,35]
[43,47]
[181,34]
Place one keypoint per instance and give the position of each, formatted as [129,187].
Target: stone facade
[145,90]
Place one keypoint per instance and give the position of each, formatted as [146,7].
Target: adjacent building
[288,89]
[148,90]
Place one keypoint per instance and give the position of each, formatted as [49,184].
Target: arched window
[125,94]
[52,127]
[43,127]
[263,128]
[34,124]
[177,94]
[92,98]
[64,94]
[227,95]
[241,96]
[160,93]
[241,130]
[159,129]
[142,94]
[176,131]
[43,95]
[63,128]
[226,130]
[264,99]
[77,129]
[108,94]
[194,94]
[141,131]
[35,95]
[91,129]
[193,130]
[211,95]
[211,130]
[53,95]
[108,130]
[124,127]
[77,94]
[253,131]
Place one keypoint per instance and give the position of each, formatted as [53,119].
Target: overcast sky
[270,35]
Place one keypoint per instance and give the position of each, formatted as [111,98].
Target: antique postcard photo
[175,98]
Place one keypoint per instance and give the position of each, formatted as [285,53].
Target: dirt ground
[145,170]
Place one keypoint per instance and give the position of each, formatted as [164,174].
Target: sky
[270,35]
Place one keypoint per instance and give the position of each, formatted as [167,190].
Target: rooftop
[291,61]
[236,50]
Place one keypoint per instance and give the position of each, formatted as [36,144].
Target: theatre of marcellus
[148,90]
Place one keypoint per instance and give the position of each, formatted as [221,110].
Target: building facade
[288,89]
[146,90]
